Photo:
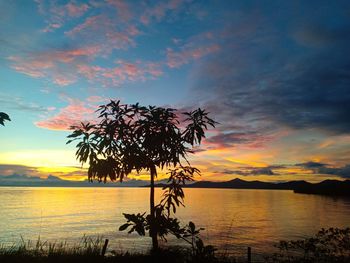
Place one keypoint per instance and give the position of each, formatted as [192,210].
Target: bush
[328,245]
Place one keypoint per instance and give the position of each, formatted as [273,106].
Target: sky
[274,74]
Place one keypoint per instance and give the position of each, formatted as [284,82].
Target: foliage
[328,245]
[89,250]
[132,138]
[4,117]
[200,252]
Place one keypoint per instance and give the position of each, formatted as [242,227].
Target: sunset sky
[274,74]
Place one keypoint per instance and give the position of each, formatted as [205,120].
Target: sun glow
[40,158]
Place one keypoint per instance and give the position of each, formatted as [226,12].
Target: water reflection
[234,219]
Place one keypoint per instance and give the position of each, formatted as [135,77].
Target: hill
[327,187]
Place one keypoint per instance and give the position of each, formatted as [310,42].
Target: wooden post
[249,255]
[104,248]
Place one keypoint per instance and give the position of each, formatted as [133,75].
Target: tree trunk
[153,230]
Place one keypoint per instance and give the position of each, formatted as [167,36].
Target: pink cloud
[96,99]
[106,32]
[55,65]
[66,67]
[33,68]
[159,11]
[123,9]
[76,10]
[123,72]
[90,72]
[89,23]
[51,27]
[62,80]
[77,111]
[57,14]
[176,59]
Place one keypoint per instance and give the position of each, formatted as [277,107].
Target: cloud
[176,59]
[76,10]
[57,15]
[160,10]
[22,173]
[106,32]
[263,82]
[124,71]
[9,169]
[320,36]
[343,171]
[65,67]
[19,104]
[124,11]
[229,139]
[254,171]
[250,171]
[312,165]
[105,29]
[57,65]
[322,168]
[76,112]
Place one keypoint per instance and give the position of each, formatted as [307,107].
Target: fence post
[104,248]
[249,255]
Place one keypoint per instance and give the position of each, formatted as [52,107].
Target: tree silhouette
[4,117]
[131,138]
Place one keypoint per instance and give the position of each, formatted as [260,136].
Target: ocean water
[233,219]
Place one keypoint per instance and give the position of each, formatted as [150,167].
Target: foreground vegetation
[328,245]
[92,250]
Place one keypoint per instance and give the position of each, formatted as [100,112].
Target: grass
[327,246]
[44,251]
[90,250]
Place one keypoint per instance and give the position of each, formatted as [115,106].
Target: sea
[233,219]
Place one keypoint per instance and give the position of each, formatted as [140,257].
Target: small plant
[328,245]
[200,252]
[87,247]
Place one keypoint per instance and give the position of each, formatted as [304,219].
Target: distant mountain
[53,181]
[241,184]
[327,187]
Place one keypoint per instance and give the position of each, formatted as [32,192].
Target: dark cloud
[20,104]
[246,171]
[227,139]
[279,71]
[9,169]
[343,172]
[311,165]
[224,139]
[315,167]
[263,171]
[322,168]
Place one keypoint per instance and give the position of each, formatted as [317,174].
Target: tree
[132,138]
[4,117]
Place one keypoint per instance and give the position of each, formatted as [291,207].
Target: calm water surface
[233,219]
